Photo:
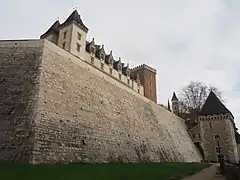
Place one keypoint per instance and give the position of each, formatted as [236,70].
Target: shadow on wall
[200,149]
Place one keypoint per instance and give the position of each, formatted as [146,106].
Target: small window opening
[65,35]
[78,47]
[64,45]
[210,125]
[92,60]
[79,36]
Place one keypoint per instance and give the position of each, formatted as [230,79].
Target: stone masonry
[19,77]
[56,108]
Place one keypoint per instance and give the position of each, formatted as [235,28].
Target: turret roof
[213,106]
[174,97]
[53,28]
[75,17]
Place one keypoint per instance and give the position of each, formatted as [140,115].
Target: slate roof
[75,17]
[53,28]
[174,97]
[213,106]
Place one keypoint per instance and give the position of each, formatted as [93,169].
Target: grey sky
[184,40]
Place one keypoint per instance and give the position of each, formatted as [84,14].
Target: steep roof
[213,106]
[75,17]
[53,28]
[174,97]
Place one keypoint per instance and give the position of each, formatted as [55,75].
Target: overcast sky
[183,39]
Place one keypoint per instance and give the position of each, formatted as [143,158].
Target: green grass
[99,171]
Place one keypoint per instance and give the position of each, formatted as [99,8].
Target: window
[150,84]
[216,136]
[79,36]
[110,71]
[128,73]
[65,35]
[199,135]
[120,68]
[218,149]
[210,124]
[78,47]
[102,66]
[138,91]
[64,45]
[93,50]
[92,60]
[128,81]
[102,56]
[120,76]
[193,135]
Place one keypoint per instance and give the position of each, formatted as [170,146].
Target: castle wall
[19,79]
[85,115]
[71,111]
[220,125]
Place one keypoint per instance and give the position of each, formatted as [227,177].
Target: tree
[194,95]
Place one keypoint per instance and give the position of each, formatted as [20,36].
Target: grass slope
[99,171]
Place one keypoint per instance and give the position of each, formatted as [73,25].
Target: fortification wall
[78,113]
[84,115]
[19,77]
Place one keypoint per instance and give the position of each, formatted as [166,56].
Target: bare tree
[193,96]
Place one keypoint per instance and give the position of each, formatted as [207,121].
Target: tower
[70,35]
[175,104]
[147,78]
[217,126]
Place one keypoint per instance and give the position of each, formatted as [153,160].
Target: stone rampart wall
[86,116]
[73,112]
[19,77]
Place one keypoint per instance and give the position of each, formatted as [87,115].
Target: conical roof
[213,106]
[75,17]
[174,97]
[53,28]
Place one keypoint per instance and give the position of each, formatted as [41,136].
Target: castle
[213,122]
[71,36]
[64,99]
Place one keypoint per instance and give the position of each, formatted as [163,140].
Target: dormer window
[110,62]
[93,49]
[128,73]
[102,56]
[120,67]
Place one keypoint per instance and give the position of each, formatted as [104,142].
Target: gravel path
[207,174]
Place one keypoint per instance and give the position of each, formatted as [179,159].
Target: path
[207,174]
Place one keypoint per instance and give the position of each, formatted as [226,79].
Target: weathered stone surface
[82,115]
[19,77]
[219,125]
